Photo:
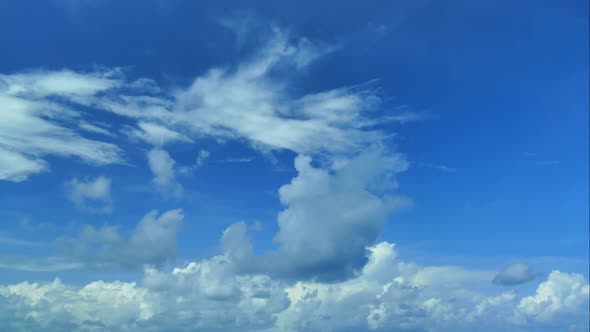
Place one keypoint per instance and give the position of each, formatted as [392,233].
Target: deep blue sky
[503,85]
[498,158]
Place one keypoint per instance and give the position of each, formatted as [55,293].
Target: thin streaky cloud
[439,167]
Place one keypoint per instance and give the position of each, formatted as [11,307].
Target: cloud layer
[387,294]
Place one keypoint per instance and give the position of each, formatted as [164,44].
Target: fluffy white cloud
[152,241]
[331,217]
[387,294]
[562,299]
[93,195]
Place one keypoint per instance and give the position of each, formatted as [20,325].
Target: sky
[294,166]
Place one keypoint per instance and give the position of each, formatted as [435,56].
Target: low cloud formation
[514,274]
[331,217]
[152,241]
[91,195]
[558,300]
[386,294]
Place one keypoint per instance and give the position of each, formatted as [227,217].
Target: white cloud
[248,103]
[330,218]
[514,274]
[95,128]
[202,157]
[17,167]
[33,125]
[562,299]
[65,83]
[162,166]
[406,117]
[40,108]
[442,168]
[334,210]
[156,134]
[93,195]
[387,294]
[152,241]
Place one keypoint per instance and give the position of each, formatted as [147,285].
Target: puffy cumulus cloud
[225,300]
[162,166]
[152,241]
[332,216]
[514,274]
[202,296]
[98,306]
[93,195]
[390,295]
[387,294]
[560,300]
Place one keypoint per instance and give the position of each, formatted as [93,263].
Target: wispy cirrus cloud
[34,122]
[439,167]
[248,102]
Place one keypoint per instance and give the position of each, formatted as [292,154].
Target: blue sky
[150,149]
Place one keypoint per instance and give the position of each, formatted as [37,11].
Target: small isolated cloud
[96,128]
[152,241]
[514,274]
[406,117]
[234,160]
[442,168]
[202,157]
[162,166]
[155,134]
[91,195]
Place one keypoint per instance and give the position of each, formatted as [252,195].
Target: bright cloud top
[387,294]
